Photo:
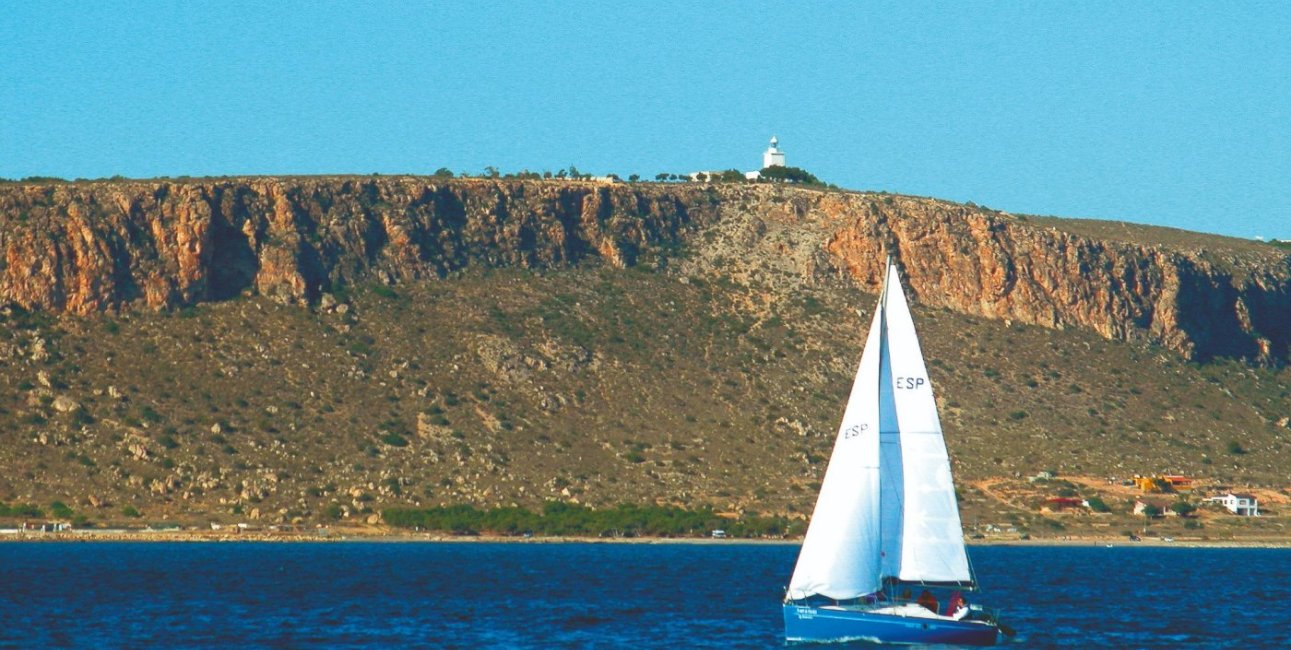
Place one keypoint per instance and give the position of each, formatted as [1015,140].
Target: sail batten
[887,508]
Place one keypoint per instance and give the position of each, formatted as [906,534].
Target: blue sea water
[483,595]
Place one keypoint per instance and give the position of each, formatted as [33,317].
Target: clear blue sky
[1173,113]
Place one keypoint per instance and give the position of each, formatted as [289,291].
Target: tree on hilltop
[789,175]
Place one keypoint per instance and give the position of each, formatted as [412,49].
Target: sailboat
[886,523]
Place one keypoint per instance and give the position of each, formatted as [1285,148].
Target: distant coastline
[342,536]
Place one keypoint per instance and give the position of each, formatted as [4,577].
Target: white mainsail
[932,539]
[887,503]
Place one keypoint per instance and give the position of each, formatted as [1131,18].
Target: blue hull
[816,624]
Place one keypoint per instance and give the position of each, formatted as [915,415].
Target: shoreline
[352,536]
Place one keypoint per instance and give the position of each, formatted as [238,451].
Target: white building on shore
[1239,504]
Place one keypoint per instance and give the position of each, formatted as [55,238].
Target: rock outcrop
[1216,300]
[82,248]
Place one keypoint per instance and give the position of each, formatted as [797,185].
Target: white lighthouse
[773,156]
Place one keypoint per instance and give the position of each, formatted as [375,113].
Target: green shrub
[394,440]
[789,175]
[20,510]
[1097,505]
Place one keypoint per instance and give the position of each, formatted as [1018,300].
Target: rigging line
[972,575]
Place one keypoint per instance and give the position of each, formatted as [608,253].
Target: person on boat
[928,600]
[905,595]
[956,603]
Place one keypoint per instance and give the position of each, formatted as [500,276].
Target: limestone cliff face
[89,247]
[104,246]
[1200,295]
[1224,299]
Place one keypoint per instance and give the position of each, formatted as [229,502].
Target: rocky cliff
[104,246]
[1204,296]
[90,247]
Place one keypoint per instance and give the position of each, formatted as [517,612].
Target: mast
[883,290]
[881,318]
[892,513]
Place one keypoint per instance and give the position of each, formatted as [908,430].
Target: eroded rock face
[84,248]
[1200,303]
[89,247]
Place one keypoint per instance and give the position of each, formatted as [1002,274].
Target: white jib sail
[932,542]
[840,553]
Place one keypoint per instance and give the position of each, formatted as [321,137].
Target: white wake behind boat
[886,523]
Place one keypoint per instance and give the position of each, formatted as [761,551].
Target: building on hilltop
[772,157]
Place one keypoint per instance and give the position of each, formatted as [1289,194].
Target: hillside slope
[688,345]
